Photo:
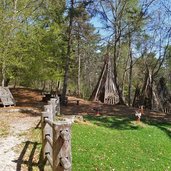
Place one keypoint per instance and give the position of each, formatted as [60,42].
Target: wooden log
[50,161]
[66,164]
[62,146]
[49,139]
[46,131]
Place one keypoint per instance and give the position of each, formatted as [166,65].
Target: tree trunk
[58,87]
[3,73]
[147,90]
[121,101]
[79,65]
[65,82]
[117,42]
[136,100]
[130,73]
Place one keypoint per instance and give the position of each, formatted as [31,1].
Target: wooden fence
[56,138]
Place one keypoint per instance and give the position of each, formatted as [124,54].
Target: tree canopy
[61,46]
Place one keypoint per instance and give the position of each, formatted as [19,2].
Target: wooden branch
[49,158]
[46,125]
[65,163]
[49,139]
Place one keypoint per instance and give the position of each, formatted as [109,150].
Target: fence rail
[56,138]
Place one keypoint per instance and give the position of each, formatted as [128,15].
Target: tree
[122,19]
[167,66]
[85,43]
[69,43]
[41,43]
[9,24]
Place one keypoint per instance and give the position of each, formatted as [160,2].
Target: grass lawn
[112,143]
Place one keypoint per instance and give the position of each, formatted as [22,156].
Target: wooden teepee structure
[105,90]
[161,97]
[155,96]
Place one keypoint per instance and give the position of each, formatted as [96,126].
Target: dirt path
[18,124]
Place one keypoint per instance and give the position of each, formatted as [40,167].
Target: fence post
[62,146]
[55,105]
[46,130]
[58,106]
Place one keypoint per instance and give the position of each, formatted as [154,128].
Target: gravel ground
[19,123]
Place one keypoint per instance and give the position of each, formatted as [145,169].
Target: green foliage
[84,57]
[45,55]
[33,49]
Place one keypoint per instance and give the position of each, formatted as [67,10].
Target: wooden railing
[56,138]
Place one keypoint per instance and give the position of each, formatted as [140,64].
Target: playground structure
[6,97]
[155,98]
[105,90]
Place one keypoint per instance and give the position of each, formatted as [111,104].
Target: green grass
[113,143]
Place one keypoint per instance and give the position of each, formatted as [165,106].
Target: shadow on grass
[120,123]
[162,125]
[30,157]
[165,129]
[127,123]
[38,126]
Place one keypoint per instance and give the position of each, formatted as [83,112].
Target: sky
[100,28]
[156,9]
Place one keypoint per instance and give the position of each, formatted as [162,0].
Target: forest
[60,46]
